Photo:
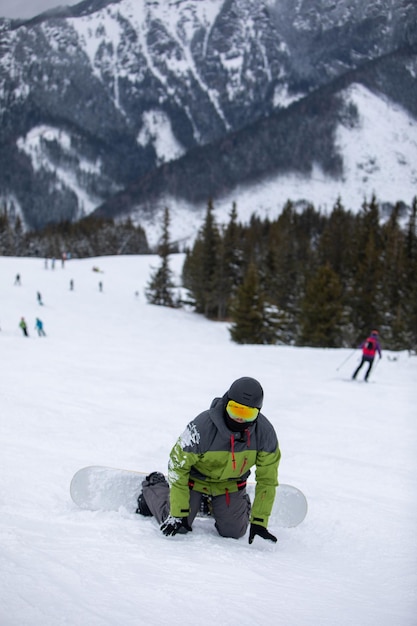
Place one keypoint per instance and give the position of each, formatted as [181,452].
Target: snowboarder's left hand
[256,529]
[173,525]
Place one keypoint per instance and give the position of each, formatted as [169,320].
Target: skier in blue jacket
[39,327]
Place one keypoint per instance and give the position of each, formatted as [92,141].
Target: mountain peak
[191,98]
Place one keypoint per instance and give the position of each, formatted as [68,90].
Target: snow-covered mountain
[376,151]
[102,101]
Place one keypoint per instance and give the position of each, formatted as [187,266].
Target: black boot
[155,478]
[143,508]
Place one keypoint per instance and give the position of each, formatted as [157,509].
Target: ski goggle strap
[241,412]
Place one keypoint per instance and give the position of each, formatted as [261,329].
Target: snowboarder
[24,327]
[212,458]
[369,348]
[39,327]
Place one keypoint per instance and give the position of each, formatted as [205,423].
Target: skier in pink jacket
[369,348]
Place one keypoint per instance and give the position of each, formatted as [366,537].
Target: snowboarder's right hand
[173,525]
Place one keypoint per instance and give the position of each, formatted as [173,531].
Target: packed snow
[114,383]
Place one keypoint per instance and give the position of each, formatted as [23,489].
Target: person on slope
[39,327]
[24,327]
[369,348]
[213,458]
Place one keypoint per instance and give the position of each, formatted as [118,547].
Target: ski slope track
[114,383]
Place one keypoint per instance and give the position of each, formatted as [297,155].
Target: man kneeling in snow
[212,459]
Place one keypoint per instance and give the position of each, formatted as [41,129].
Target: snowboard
[98,488]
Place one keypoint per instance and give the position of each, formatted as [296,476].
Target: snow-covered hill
[379,153]
[114,382]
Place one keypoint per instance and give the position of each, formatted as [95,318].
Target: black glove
[255,529]
[173,525]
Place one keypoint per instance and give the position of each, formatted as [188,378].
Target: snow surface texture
[114,383]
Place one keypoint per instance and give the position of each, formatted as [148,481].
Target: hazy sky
[29,8]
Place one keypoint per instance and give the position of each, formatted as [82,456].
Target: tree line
[88,237]
[308,278]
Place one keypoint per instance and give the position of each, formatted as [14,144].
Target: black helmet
[246,391]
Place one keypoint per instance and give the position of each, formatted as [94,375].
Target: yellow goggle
[241,412]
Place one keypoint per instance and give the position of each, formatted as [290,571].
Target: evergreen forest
[308,278]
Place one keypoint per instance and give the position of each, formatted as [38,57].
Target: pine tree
[322,310]
[160,287]
[247,310]
[284,267]
[411,282]
[393,290]
[253,319]
[6,238]
[364,301]
[201,268]
[229,273]
[335,244]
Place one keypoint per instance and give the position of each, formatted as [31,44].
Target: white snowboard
[99,488]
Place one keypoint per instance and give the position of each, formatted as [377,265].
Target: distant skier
[71,285]
[100,286]
[17,279]
[39,297]
[39,327]
[24,327]
[369,348]
[213,458]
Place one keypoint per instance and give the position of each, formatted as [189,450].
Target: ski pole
[346,360]
[376,363]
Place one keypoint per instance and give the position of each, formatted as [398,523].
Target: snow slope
[114,383]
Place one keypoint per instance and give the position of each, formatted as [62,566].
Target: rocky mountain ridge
[122,103]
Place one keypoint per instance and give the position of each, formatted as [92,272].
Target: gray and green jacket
[212,459]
